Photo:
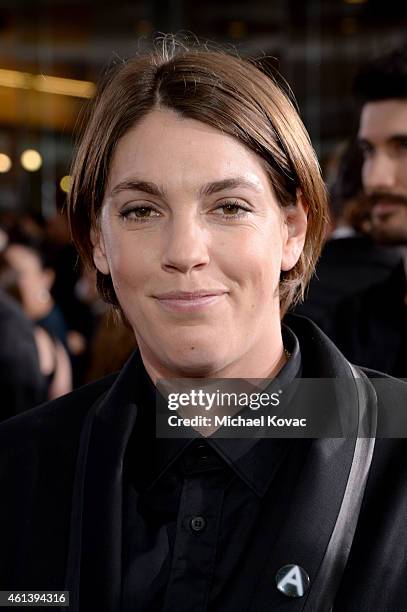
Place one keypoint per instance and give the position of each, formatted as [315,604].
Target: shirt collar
[254,460]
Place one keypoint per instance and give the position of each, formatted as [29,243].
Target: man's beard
[384,227]
[386,196]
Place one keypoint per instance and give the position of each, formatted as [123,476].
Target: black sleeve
[22,384]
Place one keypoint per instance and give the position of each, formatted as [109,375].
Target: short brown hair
[224,91]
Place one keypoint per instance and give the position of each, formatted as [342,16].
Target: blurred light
[63,87]
[5,163]
[47,84]
[65,183]
[355,1]
[31,160]
[13,78]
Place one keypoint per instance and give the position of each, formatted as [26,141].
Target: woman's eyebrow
[137,185]
[134,184]
[229,183]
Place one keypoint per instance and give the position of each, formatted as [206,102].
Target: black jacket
[61,469]
[370,328]
[347,266]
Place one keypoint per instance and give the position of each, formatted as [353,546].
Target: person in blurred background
[23,276]
[351,260]
[35,280]
[60,305]
[371,328]
[76,305]
[110,339]
[21,381]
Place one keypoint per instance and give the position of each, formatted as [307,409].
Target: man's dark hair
[384,77]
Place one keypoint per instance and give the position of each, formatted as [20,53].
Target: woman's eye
[139,213]
[232,209]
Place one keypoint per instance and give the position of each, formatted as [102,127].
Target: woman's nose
[185,246]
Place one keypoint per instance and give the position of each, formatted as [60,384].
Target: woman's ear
[296,220]
[99,251]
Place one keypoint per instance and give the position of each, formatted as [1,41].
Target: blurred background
[52,55]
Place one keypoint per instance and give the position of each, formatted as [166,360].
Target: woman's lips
[189,302]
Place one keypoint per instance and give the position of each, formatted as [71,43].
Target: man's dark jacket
[347,266]
[61,509]
[370,328]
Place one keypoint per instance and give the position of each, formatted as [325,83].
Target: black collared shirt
[200,516]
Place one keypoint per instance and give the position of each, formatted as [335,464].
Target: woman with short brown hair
[222,91]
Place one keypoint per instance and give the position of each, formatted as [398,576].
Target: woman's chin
[192,355]
[195,362]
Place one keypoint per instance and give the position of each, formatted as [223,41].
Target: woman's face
[194,239]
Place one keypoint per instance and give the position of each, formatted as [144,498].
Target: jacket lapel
[318,531]
[305,534]
[94,559]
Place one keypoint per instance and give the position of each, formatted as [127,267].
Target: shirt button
[197,523]
[202,451]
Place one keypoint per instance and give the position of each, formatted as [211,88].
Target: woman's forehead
[166,148]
